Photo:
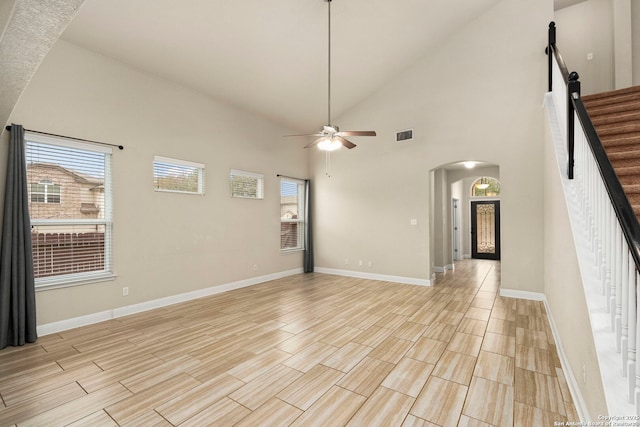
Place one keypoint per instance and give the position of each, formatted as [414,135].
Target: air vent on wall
[404,135]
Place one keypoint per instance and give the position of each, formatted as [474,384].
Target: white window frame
[240,173]
[74,279]
[301,215]
[199,167]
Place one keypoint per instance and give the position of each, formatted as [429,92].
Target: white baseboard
[76,322]
[516,293]
[373,276]
[572,383]
[443,269]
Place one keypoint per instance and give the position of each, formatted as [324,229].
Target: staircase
[616,117]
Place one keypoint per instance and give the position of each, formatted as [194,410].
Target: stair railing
[612,227]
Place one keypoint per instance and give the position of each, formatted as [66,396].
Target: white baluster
[609,224]
[622,278]
[602,226]
[615,276]
[633,318]
[608,252]
[636,391]
[624,297]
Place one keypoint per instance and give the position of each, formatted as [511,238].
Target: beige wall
[164,244]
[563,283]
[610,29]
[441,220]
[476,97]
[6,9]
[585,28]
[622,36]
[635,41]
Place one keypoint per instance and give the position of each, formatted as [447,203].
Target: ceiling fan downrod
[329,64]
[330,137]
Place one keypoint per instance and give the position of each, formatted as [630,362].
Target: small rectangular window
[246,185]
[291,215]
[178,176]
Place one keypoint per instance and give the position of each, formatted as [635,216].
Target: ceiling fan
[330,137]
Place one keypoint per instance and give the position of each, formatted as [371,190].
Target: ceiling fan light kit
[328,144]
[330,138]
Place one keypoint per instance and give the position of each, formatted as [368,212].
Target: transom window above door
[485,186]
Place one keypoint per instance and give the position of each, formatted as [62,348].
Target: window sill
[291,251]
[69,280]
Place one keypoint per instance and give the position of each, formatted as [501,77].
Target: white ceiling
[270,57]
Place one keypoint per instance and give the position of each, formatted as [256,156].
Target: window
[70,210]
[178,176]
[246,185]
[485,187]
[291,215]
[45,191]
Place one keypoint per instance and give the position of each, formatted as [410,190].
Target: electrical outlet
[360,262]
[369,264]
[125,291]
[255,267]
[589,56]
[346,261]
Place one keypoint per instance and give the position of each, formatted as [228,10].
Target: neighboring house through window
[291,215]
[70,210]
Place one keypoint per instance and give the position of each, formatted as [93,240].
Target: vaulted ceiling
[266,57]
[271,57]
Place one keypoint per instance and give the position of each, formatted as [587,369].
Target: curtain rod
[292,177]
[70,137]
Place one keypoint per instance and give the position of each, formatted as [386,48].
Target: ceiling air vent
[404,135]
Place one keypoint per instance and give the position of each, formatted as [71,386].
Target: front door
[485,229]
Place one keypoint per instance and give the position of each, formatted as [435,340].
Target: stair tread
[624,155]
[629,91]
[611,100]
[632,188]
[628,170]
[619,128]
[619,140]
[613,109]
[618,118]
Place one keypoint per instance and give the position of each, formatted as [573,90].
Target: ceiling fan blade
[304,134]
[345,142]
[313,143]
[357,133]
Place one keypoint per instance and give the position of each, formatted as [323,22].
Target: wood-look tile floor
[307,350]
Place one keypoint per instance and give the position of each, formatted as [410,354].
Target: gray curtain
[17,291]
[308,229]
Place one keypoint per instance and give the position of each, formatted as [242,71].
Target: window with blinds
[69,185]
[291,215]
[178,176]
[246,185]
